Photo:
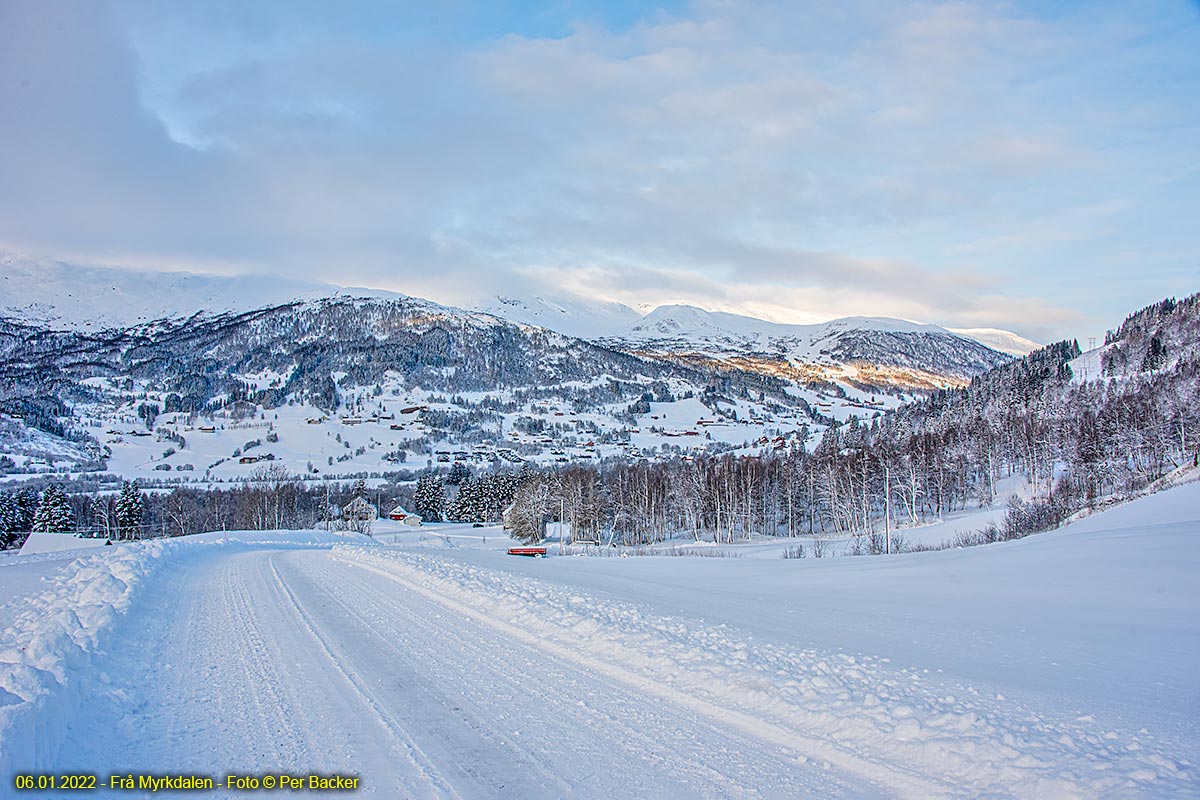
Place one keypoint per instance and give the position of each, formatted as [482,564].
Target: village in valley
[378,434]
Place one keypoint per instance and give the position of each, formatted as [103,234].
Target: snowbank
[50,638]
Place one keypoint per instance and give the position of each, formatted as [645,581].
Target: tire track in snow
[898,727]
[225,681]
[483,670]
[327,580]
[894,779]
[396,734]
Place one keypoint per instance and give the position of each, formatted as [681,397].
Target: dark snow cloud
[969,164]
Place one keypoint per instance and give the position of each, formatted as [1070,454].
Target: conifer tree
[458,474]
[26,501]
[8,520]
[429,498]
[469,504]
[128,509]
[53,513]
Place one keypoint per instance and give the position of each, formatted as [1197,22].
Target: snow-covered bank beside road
[51,638]
[1100,615]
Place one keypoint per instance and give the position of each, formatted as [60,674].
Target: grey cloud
[737,158]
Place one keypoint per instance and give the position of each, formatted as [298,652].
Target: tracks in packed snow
[297,661]
[796,745]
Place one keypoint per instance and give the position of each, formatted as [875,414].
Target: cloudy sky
[1030,166]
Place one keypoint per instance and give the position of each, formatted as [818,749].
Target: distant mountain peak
[1001,340]
[569,315]
[897,352]
[73,297]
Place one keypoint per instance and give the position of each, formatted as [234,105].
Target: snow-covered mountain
[574,316]
[871,354]
[75,297]
[864,351]
[695,325]
[1004,341]
[71,297]
[861,351]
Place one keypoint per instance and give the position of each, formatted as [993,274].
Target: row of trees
[53,511]
[275,499]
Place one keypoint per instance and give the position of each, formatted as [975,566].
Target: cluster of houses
[360,510]
[256,459]
[775,442]
[559,445]
[376,418]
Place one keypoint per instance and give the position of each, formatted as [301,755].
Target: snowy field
[430,664]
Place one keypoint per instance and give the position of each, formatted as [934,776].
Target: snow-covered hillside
[67,296]
[1057,666]
[1154,339]
[175,399]
[1004,341]
[573,316]
[853,351]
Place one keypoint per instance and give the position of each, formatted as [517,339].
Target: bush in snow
[1024,518]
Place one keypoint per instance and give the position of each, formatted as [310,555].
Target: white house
[361,510]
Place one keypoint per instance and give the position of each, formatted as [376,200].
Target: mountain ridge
[60,294]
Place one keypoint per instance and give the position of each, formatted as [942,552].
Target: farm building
[407,517]
[361,510]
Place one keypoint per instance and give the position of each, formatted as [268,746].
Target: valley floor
[1063,665]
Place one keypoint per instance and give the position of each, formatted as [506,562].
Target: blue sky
[1029,166]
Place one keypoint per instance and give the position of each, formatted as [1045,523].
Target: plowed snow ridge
[894,727]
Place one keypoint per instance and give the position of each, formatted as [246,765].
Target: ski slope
[1059,666]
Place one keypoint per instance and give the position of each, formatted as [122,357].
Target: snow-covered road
[1059,666]
[302,661]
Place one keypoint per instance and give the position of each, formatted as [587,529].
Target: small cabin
[407,517]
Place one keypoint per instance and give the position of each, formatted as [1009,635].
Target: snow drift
[51,638]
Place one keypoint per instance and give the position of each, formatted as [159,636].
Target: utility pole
[887,508]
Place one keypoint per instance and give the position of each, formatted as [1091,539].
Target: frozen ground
[1062,665]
